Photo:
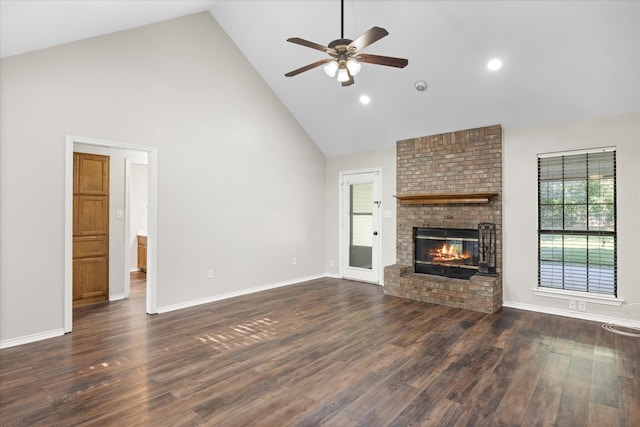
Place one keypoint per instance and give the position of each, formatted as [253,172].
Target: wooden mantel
[445,198]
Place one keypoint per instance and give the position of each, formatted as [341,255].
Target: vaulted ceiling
[562,60]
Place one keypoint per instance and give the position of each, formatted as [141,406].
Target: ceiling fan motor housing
[334,44]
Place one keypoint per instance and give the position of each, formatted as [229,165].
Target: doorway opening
[151,156]
[136,218]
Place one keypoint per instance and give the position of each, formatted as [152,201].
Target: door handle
[375,233]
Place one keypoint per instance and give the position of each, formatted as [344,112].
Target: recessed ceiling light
[494,64]
[364,99]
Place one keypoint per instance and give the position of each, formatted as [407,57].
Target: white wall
[384,159]
[238,178]
[521,147]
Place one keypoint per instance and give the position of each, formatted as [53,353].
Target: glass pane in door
[361,225]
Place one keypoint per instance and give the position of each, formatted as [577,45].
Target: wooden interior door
[90,228]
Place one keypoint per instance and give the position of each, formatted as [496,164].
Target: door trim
[341,226]
[152,153]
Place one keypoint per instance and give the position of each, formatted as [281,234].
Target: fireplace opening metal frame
[462,265]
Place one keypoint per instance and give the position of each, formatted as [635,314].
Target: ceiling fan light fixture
[343,75]
[353,66]
[331,68]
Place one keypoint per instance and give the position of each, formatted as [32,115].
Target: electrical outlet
[572,304]
[332,263]
[210,274]
[294,261]
[582,306]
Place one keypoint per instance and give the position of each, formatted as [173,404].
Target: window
[361,214]
[577,221]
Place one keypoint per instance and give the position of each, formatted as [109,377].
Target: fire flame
[447,253]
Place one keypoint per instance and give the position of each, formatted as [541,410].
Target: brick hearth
[465,161]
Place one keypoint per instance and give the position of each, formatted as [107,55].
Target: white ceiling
[563,60]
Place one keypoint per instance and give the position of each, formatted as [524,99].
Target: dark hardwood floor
[324,352]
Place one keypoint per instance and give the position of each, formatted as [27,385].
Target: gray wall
[386,161]
[520,149]
[238,178]
[520,209]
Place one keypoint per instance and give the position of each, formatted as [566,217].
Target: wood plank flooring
[325,352]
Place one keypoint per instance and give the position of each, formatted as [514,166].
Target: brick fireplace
[448,181]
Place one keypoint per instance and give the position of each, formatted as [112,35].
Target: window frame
[572,292]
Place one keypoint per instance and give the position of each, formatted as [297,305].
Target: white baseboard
[573,314]
[337,276]
[233,294]
[12,342]
[116,297]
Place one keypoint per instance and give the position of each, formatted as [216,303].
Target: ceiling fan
[345,54]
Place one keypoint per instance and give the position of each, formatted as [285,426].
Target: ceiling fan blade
[312,45]
[383,60]
[308,67]
[373,35]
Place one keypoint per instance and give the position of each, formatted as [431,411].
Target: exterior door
[360,226]
[90,228]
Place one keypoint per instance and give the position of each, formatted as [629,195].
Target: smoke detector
[420,86]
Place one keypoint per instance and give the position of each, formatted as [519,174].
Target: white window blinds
[577,221]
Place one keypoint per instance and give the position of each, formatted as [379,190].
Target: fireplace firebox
[448,252]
